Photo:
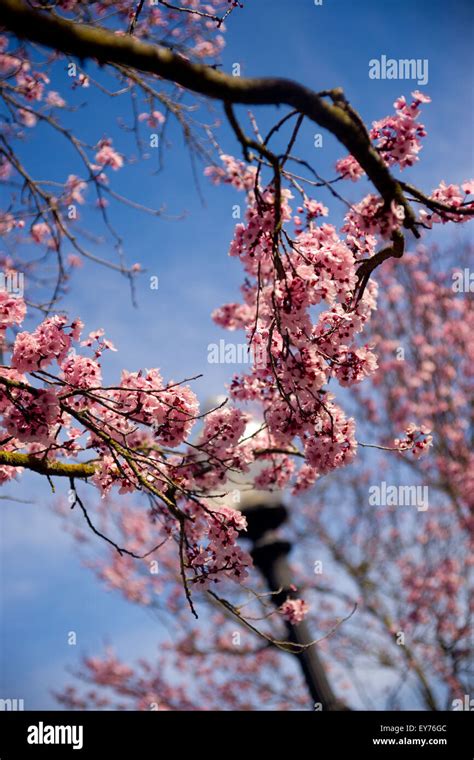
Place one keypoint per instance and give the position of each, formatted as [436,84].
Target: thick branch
[47,466]
[106,47]
[433,204]
[367,266]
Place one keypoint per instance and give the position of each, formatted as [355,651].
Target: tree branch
[106,47]
[47,466]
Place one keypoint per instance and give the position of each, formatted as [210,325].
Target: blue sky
[45,591]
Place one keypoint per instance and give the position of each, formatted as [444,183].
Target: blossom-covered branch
[330,110]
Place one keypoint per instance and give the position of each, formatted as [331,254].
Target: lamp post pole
[265,512]
[270,555]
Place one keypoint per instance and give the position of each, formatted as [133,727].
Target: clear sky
[45,591]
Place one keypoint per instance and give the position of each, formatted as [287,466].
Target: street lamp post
[265,513]
[270,555]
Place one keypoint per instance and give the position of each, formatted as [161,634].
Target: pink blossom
[417,440]
[397,137]
[349,168]
[7,223]
[107,156]
[12,310]
[36,350]
[83,80]
[74,189]
[153,119]
[74,260]
[81,372]
[31,86]
[41,232]
[54,99]
[294,610]
[5,169]
[8,63]
[32,417]
[234,172]
[27,118]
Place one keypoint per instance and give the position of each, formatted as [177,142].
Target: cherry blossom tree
[308,307]
[406,567]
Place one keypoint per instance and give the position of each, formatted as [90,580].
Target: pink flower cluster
[31,417]
[211,548]
[452,196]
[12,310]
[153,119]
[233,172]
[298,352]
[107,156]
[294,610]
[437,588]
[36,350]
[417,440]
[141,411]
[396,137]
[81,372]
[369,218]
[219,442]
